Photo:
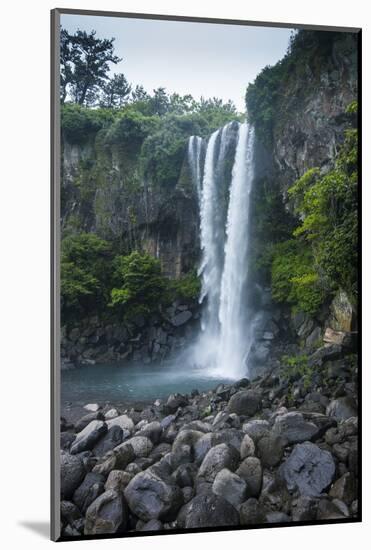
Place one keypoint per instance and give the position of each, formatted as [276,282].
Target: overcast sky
[203,59]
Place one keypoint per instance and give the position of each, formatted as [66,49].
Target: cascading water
[234,330]
[225,338]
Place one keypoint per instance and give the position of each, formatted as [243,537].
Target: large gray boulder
[230,486]
[250,470]
[256,429]
[88,491]
[270,449]
[294,428]
[187,437]
[118,480]
[87,438]
[142,446]
[152,430]
[107,514]
[308,469]
[208,510]
[72,472]
[245,402]
[150,496]
[252,512]
[87,418]
[109,441]
[247,447]
[342,408]
[219,457]
[123,421]
[344,488]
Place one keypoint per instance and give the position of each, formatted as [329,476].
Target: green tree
[85,65]
[140,286]
[115,92]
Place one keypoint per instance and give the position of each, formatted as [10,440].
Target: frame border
[55,239]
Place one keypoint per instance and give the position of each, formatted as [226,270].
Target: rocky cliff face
[104,192]
[309,121]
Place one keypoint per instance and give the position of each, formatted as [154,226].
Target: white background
[24,288]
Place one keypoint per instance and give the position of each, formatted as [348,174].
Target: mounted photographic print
[205,274]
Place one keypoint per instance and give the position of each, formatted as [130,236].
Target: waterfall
[210,268]
[234,330]
[224,234]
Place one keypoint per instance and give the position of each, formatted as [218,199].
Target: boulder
[344,489]
[308,469]
[230,486]
[86,439]
[219,457]
[292,427]
[343,314]
[152,430]
[175,401]
[118,480]
[111,413]
[85,420]
[187,437]
[69,512]
[107,514]
[245,402]
[72,472]
[329,510]
[252,512]
[88,491]
[142,446]
[66,440]
[304,508]
[209,511]
[250,470]
[270,449]
[181,318]
[152,525]
[109,441]
[150,496]
[247,447]
[335,336]
[329,352]
[278,517]
[342,408]
[92,407]
[256,429]
[185,474]
[123,421]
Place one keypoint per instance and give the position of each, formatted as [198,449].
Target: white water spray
[225,338]
[234,330]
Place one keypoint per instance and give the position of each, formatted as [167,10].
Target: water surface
[120,383]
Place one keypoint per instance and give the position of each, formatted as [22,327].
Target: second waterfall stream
[225,339]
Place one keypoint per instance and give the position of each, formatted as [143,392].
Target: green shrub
[79,124]
[130,129]
[139,284]
[187,287]
[296,368]
[327,206]
[294,279]
[84,273]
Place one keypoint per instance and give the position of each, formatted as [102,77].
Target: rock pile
[273,450]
